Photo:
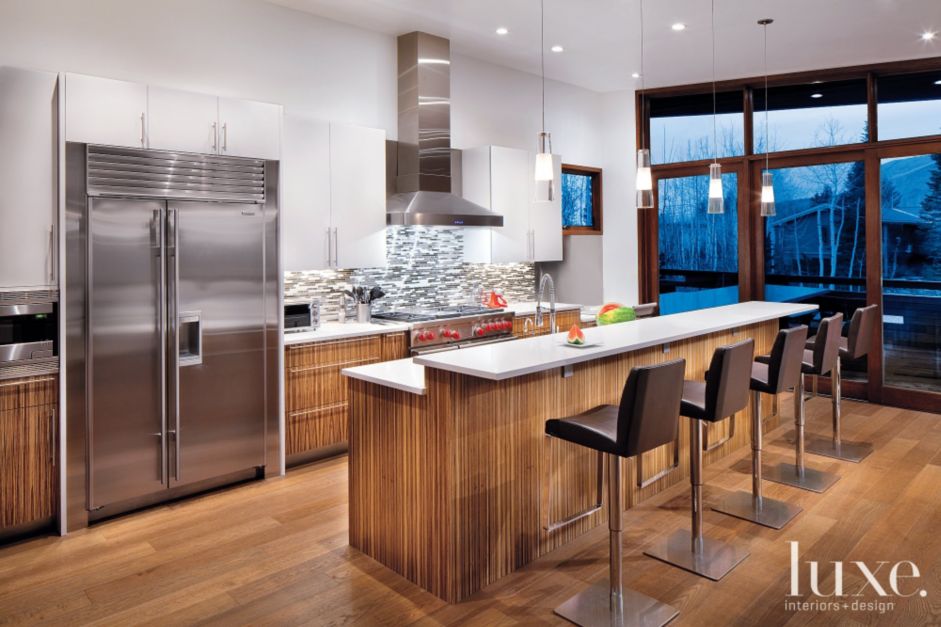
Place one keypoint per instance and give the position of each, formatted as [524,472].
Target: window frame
[751,224]
[597,201]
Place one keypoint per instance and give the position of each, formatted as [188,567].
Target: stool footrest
[592,607]
[714,559]
[847,451]
[762,510]
[810,479]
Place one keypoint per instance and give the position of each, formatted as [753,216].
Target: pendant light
[545,170]
[767,185]
[644,182]
[716,201]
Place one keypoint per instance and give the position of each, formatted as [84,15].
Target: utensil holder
[363,312]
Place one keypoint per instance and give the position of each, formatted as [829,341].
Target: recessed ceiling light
[557,48]
[503,30]
[928,35]
[816,95]
[637,75]
[679,26]
[937,82]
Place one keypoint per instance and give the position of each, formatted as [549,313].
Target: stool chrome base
[762,510]
[714,559]
[809,479]
[591,608]
[847,451]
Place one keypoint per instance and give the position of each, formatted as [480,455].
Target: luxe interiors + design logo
[882,584]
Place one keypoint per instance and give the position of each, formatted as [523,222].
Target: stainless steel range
[449,328]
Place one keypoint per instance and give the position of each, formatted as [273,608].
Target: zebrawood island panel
[449,489]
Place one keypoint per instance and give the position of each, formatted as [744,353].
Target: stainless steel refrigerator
[180,290]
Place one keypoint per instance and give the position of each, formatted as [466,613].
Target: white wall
[328,70]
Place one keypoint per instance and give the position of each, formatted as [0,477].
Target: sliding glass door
[698,252]
[910,209]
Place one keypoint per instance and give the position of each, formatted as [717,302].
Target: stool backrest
[645,310]
[827,344]
[728,379]
[650,407]
[786,357]
[862,327]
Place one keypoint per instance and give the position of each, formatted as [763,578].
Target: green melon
[614,316]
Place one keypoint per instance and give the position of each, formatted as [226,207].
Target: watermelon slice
[576,336]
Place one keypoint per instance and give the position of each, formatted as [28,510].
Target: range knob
[491,326]
[480,331]
[455,335]
[430,335]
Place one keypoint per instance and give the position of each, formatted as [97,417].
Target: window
[909,105]
[698,250]
[815,247]
[581,200]
[814,115]
[911,271]
[681,127]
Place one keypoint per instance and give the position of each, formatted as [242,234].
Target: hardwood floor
[276,553]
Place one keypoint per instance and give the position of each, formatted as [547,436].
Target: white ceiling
[601,37]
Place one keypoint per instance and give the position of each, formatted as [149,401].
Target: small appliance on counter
[301,315]
[28,336]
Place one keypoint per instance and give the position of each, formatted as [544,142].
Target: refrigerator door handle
[173,304]
[161,247]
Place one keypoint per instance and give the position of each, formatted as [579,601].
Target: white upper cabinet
[358,196]
[105,111]
[249,129]
[306,231]
[182,120]
[545,219]
[117,113]
[28,177]
[501,179]
[333,196]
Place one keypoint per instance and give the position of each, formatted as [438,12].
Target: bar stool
[855,346]
[821,360]
[647,418]
[779,374]
[724,393]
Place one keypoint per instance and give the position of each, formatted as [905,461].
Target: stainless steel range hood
[423,178]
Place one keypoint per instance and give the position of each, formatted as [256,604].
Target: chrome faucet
[546,280]
[529,324]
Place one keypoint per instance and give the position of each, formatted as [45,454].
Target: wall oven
[27,333]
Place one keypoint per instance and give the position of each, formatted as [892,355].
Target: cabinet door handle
[225,136]
[52,253]
[214,137]
[336,248]
[53,431]
[329,248]
[142,134]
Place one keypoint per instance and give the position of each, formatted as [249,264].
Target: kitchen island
[450,481]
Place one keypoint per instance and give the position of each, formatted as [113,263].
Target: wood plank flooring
[276,552]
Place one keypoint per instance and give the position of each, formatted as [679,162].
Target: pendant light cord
[643,76]
[542,52]
[767,131]
[715,133]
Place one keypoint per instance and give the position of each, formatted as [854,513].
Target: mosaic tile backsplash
[426,269]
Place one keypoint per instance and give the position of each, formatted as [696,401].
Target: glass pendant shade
[716,201]
[767,195]
[644,183]
[545,170]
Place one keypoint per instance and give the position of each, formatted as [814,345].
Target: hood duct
[423,178]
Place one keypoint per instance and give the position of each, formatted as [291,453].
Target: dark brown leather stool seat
[723,394]
[647,418]
[780,371]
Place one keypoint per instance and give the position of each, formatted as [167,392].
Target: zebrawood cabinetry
[316,394]
[28,433]
[563,321]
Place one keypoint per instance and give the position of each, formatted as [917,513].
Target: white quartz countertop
[401,374]
[343,330]
[528,308]
[526,356]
